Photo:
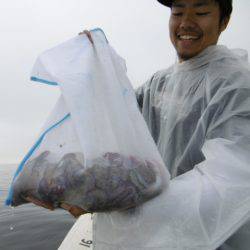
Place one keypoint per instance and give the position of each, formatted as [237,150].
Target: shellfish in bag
[95,150]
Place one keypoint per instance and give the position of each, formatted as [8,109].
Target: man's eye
[202,13]
[177,14]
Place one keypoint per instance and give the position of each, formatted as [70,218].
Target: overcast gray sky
[137,29]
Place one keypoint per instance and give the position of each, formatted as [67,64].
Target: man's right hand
[73,210]
[88,34]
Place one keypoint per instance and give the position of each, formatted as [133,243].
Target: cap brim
[167,3]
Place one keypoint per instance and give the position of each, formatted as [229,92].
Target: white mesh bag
[95,150]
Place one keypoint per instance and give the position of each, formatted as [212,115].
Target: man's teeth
[187,37]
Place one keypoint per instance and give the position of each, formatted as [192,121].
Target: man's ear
[224,23]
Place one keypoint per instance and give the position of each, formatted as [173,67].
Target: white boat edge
[80,236]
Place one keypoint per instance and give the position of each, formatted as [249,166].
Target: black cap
[167,3]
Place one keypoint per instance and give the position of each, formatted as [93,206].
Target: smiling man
[198,112]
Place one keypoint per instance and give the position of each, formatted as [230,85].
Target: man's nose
[187,21]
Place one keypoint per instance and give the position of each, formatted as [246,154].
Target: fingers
[73,210]
[39,203]
[88,34]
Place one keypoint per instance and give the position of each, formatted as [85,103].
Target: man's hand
[73,210]
[88,34]
[39,203]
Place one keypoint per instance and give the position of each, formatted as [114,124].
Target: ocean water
[29,227]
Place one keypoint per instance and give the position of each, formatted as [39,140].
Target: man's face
[194,25]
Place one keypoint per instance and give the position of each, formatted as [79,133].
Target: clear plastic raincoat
[198,113]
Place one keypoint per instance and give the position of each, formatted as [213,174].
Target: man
[198,112]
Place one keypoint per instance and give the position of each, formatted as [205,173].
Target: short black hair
[226,7]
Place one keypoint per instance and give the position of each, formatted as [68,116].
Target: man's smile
[188,37]
[186,40]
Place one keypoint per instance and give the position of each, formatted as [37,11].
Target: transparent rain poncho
[199,115]
[95,150]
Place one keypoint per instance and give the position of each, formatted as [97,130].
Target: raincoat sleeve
[141,92]
[206,205]
[145,96]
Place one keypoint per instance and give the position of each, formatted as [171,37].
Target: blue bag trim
[8,200]
[36,79]
[99,29]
